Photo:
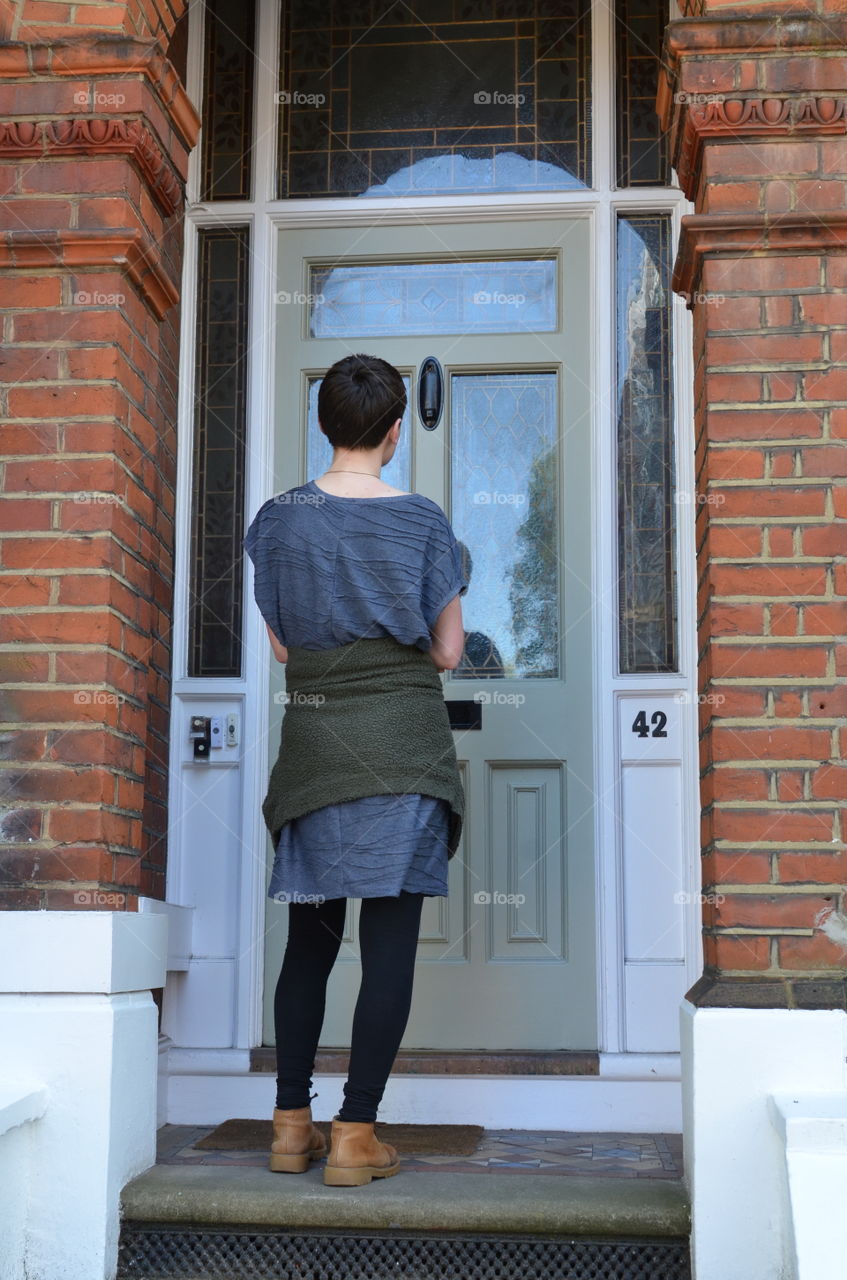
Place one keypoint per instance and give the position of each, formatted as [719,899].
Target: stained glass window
[646,525]
[642,152]
[217,504]
[228,100]
[438,96]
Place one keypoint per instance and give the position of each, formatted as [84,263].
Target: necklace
[343,470]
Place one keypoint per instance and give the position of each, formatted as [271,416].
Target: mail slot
[464,713]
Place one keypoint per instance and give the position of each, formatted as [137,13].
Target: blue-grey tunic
[328,571]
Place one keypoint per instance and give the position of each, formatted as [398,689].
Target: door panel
[507,961]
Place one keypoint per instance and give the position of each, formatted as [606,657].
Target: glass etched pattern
[505,511]
[646,525]
[642,151]
[436,97]
[217,503]
[228,100]
[433,297]
[398,472]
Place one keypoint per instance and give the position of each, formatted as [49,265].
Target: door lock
[430,393]
[200,733]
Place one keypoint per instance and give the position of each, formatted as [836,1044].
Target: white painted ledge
[82,952]
[813,1128]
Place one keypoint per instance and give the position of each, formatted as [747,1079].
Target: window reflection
[505,510]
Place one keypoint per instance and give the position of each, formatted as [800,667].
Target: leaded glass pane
[504,509]
[397,472]
[228,99]
[642,151]
[436,97]
[217,504]
[646,526]
[406,298]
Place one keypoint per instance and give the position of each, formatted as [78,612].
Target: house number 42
[658,720]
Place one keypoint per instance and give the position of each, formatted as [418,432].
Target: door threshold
[456,1062]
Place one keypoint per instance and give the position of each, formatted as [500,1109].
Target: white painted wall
[78,1023]
[733,1061]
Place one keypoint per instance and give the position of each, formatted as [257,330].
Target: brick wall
[758,132]
[91,171]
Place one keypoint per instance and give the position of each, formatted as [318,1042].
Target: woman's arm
[280,651]
[448,636]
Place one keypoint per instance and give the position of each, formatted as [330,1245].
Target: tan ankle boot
[296,1141]
[356,1155]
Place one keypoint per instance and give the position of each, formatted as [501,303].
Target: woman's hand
[279,650]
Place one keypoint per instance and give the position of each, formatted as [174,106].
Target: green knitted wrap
[366,718]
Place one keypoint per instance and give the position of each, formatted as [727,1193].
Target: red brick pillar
[756,111]
[93,158]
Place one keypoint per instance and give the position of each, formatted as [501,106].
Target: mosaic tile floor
[606,1155]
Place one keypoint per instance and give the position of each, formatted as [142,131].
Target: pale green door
[508,960]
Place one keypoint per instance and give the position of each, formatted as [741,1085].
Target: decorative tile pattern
[642,150]
[217,502]
[439,96]
[548,1151]
[646,524]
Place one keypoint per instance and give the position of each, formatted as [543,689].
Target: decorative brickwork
[92,164]
[755,110]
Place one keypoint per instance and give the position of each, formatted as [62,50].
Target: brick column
[93,158]
[757,115]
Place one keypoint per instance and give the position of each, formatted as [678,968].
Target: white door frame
[265,217]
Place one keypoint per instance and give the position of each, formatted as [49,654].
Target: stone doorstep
[236,1198]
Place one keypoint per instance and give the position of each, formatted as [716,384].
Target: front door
[507,961]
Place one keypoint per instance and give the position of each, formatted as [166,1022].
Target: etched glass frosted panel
[409,298]
[319,456]
[505,511]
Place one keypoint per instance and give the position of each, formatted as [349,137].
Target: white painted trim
[265,216]
[180,920]
[619,1102]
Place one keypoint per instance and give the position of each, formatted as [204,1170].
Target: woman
[359,586]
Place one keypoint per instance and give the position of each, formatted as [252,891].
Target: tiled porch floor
[538,1151]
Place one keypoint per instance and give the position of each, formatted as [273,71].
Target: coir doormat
[409,1139]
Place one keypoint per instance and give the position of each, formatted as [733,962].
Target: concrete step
[211,1220]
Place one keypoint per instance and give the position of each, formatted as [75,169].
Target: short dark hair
[360,397]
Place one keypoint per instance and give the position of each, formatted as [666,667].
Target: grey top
[330,570]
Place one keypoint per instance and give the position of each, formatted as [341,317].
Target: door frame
[266,217]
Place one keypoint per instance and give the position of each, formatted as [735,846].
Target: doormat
[409,1139]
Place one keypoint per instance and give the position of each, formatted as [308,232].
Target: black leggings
[388,937]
